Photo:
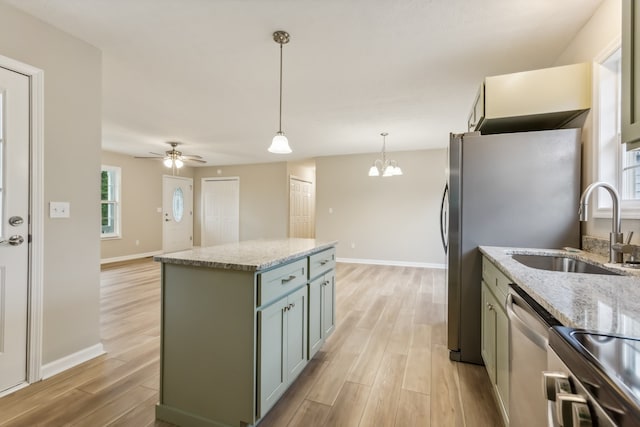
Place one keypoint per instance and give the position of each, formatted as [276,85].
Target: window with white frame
[615,164]
[110,201]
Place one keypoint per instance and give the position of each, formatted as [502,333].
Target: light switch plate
[59,209]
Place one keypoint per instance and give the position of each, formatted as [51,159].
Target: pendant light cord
[280,116]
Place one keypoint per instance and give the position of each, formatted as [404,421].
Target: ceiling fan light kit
[173,158]
[385,167]
[280,143]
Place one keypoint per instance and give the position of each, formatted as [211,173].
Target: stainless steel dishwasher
[529,325]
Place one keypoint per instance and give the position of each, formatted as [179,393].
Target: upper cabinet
[549,98]
[630,74]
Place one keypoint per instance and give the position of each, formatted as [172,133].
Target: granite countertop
[610,304]
[250,255]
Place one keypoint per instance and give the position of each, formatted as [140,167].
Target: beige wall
[393,219]
[72,127]
[141,197]
[264,198]
[600,34]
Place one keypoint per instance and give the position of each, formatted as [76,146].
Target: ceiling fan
[173,157]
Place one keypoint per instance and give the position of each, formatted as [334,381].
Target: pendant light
[384,166]
[280,144]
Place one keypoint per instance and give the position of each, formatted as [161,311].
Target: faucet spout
[616,234]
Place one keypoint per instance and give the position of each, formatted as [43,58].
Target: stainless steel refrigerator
[517,190]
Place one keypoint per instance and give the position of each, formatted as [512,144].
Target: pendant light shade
[280,143]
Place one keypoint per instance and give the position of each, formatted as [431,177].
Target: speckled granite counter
[591,301]
[250,255]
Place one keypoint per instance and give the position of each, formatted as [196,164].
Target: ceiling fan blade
[157,154]
[146,157]
[191,156]
[195,160]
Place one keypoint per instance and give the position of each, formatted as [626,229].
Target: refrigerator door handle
[444,218]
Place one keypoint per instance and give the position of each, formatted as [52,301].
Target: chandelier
[280,143]
[385,167]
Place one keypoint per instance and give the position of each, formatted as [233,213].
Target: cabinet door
[271,354]
[502,356]
[631,73]
[328,304]
[488,338]
[296,318]
[315,316]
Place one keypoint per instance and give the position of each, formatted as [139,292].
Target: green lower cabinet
[282,351]
[322,313]
[329,304]
[316,337]
[495,344]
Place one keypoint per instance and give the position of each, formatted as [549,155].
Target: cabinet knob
[490,306]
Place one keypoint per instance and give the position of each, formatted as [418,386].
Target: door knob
[16,221]
[13,240]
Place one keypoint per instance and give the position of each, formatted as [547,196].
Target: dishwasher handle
[521,325]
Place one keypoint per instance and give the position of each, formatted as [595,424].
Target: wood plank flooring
[385,365]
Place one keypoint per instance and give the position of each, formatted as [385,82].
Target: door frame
[313,211]
[202,207]
[36,214]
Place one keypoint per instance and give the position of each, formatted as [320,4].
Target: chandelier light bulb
[179,163]
[168,162]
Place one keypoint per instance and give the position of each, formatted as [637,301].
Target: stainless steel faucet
[615,236]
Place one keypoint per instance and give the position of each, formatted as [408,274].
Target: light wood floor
[385,365]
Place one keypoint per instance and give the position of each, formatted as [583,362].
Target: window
[615,165]
[110,201]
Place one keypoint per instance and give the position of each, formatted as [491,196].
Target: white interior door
[14,227]
[220,211]
[301,208]
[177,213]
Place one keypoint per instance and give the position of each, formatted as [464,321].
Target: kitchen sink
[560,263]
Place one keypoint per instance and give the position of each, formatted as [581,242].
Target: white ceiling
[205,72]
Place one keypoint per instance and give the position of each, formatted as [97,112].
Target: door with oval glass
[14,227]
[177,213]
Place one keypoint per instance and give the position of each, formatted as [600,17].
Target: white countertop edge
[250,255]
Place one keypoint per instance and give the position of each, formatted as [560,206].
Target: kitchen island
[239,323]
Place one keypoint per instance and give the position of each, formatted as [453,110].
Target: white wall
[72,132]
[599,34]
[264,199]
[386,220]
[141,196]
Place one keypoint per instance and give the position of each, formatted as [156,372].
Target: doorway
[301,208]
[220,211]
[177,213]
[21,224]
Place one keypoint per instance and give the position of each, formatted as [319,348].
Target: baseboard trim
[129,257]
[67,362]
[392,263]
[13,389]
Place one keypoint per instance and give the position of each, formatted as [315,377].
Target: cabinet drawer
[321,262]
[496,280]
[281,280]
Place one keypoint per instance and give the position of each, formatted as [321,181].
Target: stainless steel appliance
[514,189]
[529,325]
[593,379]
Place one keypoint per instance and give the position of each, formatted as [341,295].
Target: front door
[14,227]
[177,213]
